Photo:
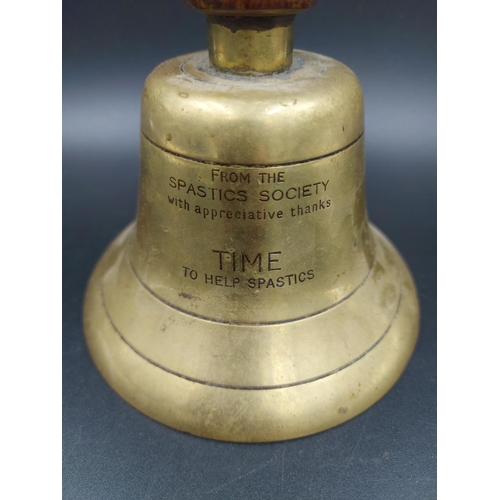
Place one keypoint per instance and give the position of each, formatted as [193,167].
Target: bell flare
[251,382]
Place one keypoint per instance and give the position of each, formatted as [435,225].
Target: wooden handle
[251,7]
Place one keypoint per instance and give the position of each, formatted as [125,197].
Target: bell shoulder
[312,110]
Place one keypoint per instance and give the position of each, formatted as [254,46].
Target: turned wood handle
[251,7]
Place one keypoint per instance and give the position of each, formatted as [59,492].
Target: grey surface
[111,451]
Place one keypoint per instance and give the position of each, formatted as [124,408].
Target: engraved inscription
[234,265]
[241,262]
[235,189]
[243,196]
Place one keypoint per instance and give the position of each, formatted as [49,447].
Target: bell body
[251,300]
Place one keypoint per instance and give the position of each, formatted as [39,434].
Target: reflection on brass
[251,300]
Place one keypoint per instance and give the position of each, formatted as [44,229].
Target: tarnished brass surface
[250,383]
[251,300]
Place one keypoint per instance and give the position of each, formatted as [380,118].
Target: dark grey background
[111,451]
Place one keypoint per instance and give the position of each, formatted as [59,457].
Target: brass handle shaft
[251,37]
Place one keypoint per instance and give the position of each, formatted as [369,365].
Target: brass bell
[251,300]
